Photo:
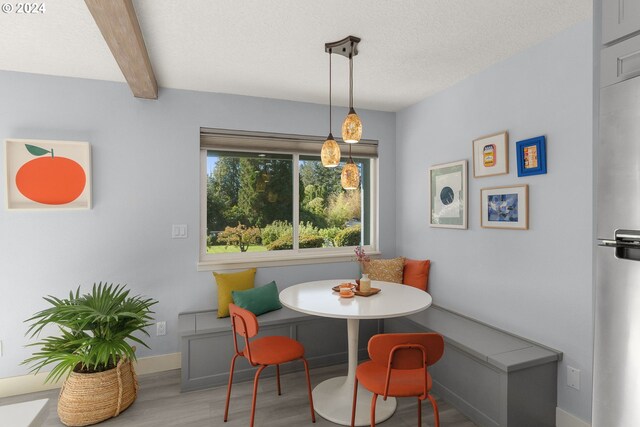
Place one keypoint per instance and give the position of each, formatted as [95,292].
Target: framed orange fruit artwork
[42,174]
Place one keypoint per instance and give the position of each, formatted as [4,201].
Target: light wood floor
[160,403]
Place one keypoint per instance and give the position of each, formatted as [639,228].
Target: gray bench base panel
[207,351]
[520,394]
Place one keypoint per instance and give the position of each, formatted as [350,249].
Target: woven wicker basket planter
[87,399]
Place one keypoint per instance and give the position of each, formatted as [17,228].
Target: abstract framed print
[44,175]
[532,156]
[448,195]
[505,207]
[491,155]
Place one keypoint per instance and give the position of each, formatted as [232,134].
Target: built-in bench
[492,376]
[207,344]
[495,378]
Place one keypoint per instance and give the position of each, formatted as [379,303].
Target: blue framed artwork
[505,207]
[532,156]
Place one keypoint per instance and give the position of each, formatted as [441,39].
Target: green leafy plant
[329,235]
[348,237]
[240,236]
[95,330]
[275,231]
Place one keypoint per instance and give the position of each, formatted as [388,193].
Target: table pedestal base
[332,400]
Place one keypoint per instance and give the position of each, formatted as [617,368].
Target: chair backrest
[410,355]
[244,322]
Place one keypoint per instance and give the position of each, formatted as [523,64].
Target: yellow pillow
[387,270]
[228,282]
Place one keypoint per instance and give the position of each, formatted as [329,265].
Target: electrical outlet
[573,377]
[161,328]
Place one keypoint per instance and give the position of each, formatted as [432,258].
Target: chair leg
[436,416]
[373,409]
[355,401]
[278,379]
[255,392]
[226,406]
[306,370]
[419,412]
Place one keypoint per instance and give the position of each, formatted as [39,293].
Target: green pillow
[260,300]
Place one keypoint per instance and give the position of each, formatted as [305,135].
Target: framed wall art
[505,207]
[491,155]
[448,195]
[532,156]
[43,174]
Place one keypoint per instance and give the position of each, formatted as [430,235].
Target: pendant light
[330,153]
[350,178]
[352,125]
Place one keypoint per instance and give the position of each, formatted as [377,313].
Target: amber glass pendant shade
[351,128]
[350,177]
[330,153]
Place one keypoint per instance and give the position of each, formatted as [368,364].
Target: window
[267,200]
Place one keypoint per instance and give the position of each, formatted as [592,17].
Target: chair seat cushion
[404,382]
[275,350]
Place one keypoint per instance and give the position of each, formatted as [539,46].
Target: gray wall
[535,283]
[145,178]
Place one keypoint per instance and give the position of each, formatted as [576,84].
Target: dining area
[335,399]
[361,353]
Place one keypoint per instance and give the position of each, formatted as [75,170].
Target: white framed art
[491,155]
[505,207]
[448,195]
[43,174]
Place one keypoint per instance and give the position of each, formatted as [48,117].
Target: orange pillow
[416,273]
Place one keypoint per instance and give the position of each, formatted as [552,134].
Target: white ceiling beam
[119,26]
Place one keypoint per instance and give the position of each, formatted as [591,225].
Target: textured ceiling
[275,48]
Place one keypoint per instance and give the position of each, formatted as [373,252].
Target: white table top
[317,298]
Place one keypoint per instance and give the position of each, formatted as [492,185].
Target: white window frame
[295,256]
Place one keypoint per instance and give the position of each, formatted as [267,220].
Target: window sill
[231,263]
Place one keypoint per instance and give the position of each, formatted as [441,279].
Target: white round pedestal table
[332,398]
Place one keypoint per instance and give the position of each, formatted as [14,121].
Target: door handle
[608,243]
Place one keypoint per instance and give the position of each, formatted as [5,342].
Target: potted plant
[93,350]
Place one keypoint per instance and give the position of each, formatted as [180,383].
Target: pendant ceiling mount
[347,47]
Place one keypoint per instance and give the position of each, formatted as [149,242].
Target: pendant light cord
[330,51]
[351,78]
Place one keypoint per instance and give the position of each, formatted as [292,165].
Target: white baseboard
[23,384]
[164,362]
[565,419]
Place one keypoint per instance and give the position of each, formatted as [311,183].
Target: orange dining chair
[398,368]
[262,352]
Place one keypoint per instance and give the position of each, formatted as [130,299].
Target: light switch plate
[573,377]
[179,231]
